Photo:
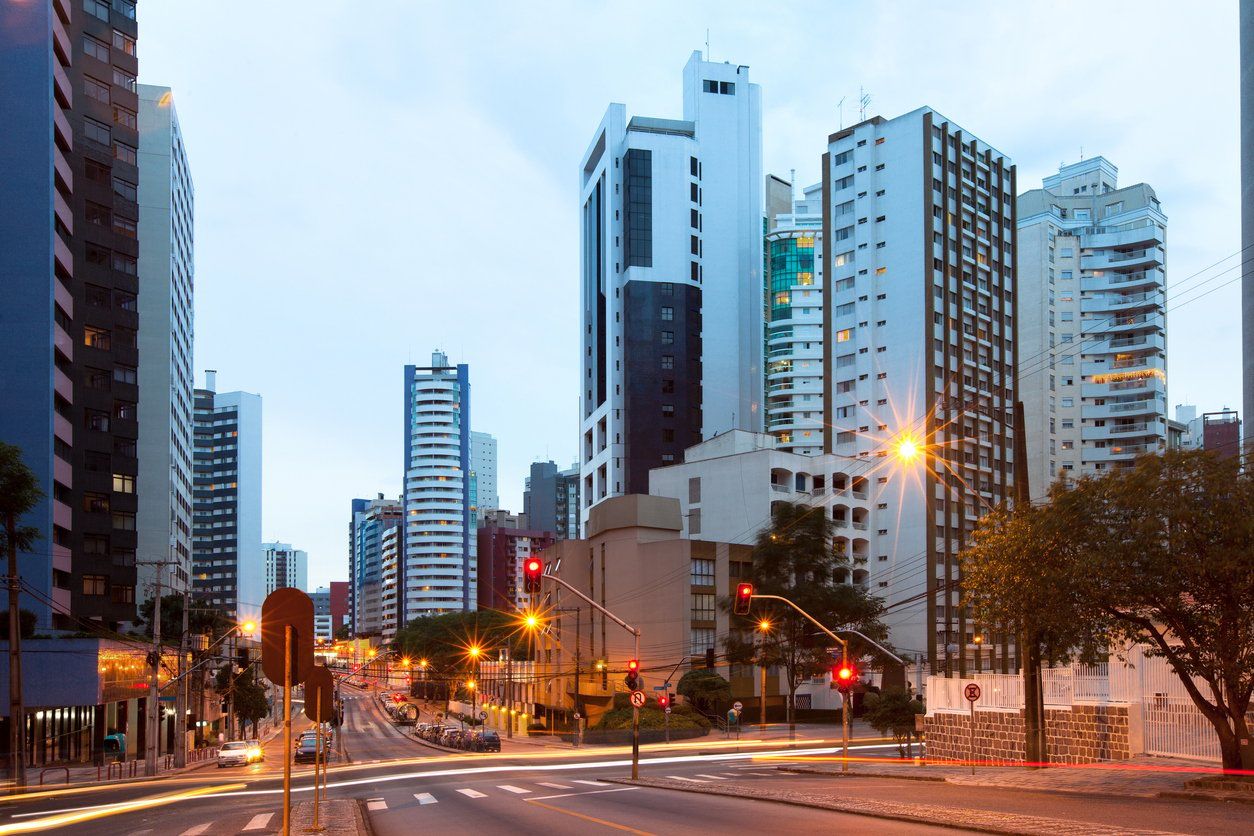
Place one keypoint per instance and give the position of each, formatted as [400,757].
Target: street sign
[660,687]
[971,692]
[483,715]
[637,699]
[739,706]
[319,694]
[668,709]
[282,608]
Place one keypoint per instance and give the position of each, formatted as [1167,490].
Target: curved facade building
[794,318]
[439,565]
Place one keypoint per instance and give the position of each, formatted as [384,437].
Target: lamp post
[764,627]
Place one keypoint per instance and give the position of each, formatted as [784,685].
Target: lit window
[843,336]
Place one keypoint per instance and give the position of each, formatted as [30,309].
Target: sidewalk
[1143,777]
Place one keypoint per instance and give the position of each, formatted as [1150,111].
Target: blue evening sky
[378,179]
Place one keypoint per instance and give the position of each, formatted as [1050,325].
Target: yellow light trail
[77,817]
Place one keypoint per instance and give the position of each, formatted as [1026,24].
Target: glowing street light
[907,449]
[764,625]
[474,651]
[531,620]
[248,627]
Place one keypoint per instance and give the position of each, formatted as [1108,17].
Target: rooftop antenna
[840,109]
[792,187]
[707,45]
[864,101]
[1081,152]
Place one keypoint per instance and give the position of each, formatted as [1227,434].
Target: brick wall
[1085,734]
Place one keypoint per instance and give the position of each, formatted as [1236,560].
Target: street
[563,791]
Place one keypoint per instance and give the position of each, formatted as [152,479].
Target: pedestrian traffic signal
[845,675]
[533,569]
[744,596]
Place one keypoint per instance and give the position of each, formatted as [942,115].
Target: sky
[375,180]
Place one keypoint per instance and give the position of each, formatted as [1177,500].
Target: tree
[343,633]
[199,619]
[19,493]
[26,629]
[704,688]
[1160,555]
[248,697]
[796,557]
[892,711]
[444,641]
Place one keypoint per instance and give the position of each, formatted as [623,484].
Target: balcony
[1115,258]
[1122,409]
[1099,237]
[1122,281]
[1122,302]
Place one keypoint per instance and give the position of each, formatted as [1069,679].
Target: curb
[1188,795]
[953,783]
[938,779]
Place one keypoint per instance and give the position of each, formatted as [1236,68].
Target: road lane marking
[582,792]
[259,821]
[591,783]
[469,793]
[714,777]
[376,804]
[593,819]
[425,798]
[197,830]
[554,786]
[511,788]
[682,778]
[764,774]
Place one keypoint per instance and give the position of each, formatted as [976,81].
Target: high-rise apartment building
[551,500]
[166,382]
[1092,323]
[391,569]
[438,571]
[371,519]
[917,199]
[323,629]
[228,562]
[794,316]
[68,329]
[285,566]
[483,487]
[501,552]
[671,280]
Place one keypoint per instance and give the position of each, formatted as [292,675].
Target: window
[96,296]
[702,606]
[125,374]
[96,131]
[123,594]
[668,314]
[96,337]
[97,9]
[123,42]
[95,544]
[125,153]
[668,410]
[124,226]
[97,379]
[97,420]
[96,49]
[96,503]
[709,85]
[97,214]
[1066,252]
[702,572]
[727,88]
[842,158]
[702,640]
[1068,402]
[123,521]
[843,336]
[126,8]
[95,584]
[124,117]
[122,483]
[123,189]
[668,338]
[95,89]
[842,182]
[125,80]
[694,218]
[125,264]
[668,361]
[123,557]
[694,489]
[124,410]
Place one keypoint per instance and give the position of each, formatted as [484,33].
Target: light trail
[63,818]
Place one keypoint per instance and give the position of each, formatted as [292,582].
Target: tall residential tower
[371,520]
[1092,323]
[671,289]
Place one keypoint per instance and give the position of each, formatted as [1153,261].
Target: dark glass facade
[638,208]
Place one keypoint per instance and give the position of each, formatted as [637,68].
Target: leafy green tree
[444,641]
[248,703]
[704,688]
[892,711]
[1160,555]
[796,557]
[199,619]
[343,633]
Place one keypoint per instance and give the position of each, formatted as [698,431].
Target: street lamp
[907,449]
[764,627]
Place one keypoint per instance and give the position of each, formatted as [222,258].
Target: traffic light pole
[844,650]
[635,710]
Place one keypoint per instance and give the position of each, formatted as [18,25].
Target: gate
[1174,727]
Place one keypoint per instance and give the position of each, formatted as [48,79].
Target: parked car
[486,741]
[307,750]
[239,753]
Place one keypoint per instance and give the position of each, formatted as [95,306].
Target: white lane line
[585,792]
[259,821]
[376,804]
[511,788]
[554,786]
[591,783]
[714,777]
[762,774]
[197,830]
[469,793]
[425,798]
[682,778]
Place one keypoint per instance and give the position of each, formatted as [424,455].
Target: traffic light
[845,675]
[633,674]
[663,700]
[533,569]
[241,657]
[744,596]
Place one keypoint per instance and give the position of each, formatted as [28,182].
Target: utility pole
[152,718]
[17,715]
[181,696]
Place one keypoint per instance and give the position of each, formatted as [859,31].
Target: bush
[651,717]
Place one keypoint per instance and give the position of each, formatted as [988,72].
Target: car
[486,741]
[307,750]
[239,753]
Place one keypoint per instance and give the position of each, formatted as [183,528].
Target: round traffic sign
[971,692]
[637,699]
[738,705]
[668,709]
[483,715]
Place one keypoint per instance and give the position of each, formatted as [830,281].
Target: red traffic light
[663,701]
[633,665]
[744,596]
[533,569]
[845,675]
[533,565]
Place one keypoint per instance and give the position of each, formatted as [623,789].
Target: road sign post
[972,693]
[287,656]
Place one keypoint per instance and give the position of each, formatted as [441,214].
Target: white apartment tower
[1093,335]
[671,280]
[285,566]
[165,377]
[794,316]
[483,485]
[439,569]
[919,336]
[229,564]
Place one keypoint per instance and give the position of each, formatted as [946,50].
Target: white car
[239,753]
